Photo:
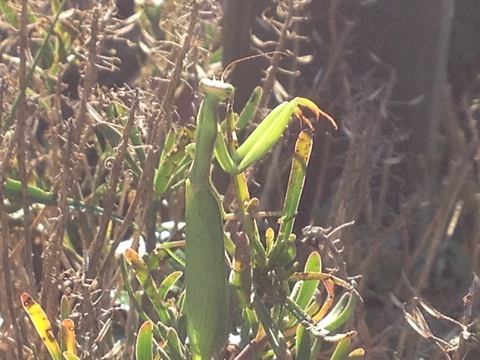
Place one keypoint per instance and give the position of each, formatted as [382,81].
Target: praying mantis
[206,272]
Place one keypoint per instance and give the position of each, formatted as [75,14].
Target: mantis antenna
[229,68]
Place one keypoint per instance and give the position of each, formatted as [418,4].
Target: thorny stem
[90,79]
[52,254]
[98,243]
[275,63]
[21,119]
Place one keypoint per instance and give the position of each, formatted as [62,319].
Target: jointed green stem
[13,188]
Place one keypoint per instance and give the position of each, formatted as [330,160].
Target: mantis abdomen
[206,300]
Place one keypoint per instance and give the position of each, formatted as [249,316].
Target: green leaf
[141,272]
[174,159]
[341,350]
[250,108]
[301,157]
[340,313]
[64,308]
[274,335]
[135,298]
[67,355]
[308,287]
[303,343]
[174,343]
[144,345]
[168,283]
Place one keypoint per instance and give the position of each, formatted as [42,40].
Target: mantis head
[217,89]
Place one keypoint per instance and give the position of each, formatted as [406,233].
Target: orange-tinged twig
[329,286]
[309,104]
